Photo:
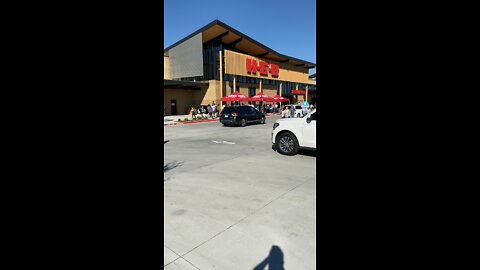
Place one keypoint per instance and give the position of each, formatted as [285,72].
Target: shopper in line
[214,110]
[288,113]
[193,112]
[209,110]
[199,111]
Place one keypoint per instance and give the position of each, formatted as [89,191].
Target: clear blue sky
[286,26]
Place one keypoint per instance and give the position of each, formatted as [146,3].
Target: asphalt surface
[231,202]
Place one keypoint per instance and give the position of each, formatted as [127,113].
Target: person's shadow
[274,260]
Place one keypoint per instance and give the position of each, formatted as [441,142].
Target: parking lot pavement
[230,200]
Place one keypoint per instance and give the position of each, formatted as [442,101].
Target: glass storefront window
[251,91]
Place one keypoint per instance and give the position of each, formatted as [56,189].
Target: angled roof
[242,42]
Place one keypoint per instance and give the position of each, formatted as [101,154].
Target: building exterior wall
[166,68]
[235,64]
[210,94]
[269,90]
[185,99]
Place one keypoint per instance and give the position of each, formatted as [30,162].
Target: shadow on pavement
[303,152]
[171,165]
[310,153]
[274,260]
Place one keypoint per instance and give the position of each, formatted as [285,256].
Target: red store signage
[298,92]
[262,67]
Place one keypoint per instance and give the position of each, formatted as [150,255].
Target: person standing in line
[292,111]
[193,112]
[209,110]
[288,112]
[214,110]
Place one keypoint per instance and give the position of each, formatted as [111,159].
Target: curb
[204,121]
[200,121]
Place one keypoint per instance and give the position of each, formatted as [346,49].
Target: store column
[306,93]
[234,83]
[296,88]
[221,80]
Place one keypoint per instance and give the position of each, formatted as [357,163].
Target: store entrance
[173,102]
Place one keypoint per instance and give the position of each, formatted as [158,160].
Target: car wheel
[262,120]
[287,144]
[225,125]
[243,122]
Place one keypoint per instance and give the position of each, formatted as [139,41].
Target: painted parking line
[223,142]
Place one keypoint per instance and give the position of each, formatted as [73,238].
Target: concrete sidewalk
[176,117]
[173,119]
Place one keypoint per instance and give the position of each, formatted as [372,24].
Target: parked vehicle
[298,111]
[289,135]
[241,115]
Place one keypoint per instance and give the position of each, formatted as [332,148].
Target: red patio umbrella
[278,98]
[260,97]
[235,96]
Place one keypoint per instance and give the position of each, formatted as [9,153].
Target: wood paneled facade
[235,49]
[235,64]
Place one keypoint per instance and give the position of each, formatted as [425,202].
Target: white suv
[291,134]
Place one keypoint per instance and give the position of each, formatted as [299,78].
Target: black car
[241,115]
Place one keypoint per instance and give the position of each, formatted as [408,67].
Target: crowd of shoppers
[286,111]
[209,111]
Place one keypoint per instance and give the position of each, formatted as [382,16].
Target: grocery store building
[217,60]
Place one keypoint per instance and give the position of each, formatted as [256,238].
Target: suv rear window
[229,110]
[298,107]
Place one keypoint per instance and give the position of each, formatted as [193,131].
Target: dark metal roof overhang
[242,42]
[183,84]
